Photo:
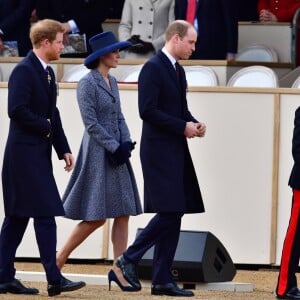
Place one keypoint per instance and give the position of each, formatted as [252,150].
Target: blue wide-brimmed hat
[104,43]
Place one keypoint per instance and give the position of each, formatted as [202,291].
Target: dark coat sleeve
[60,142]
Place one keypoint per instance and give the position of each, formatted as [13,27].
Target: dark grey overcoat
[170,182]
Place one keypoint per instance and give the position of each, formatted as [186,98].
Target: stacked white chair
[257,52]
[131,74]
[296,83]
[254,76]
[200,76]
[75,73]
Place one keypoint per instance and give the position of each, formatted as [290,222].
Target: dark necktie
[177,68]
[191,11]
[48,74]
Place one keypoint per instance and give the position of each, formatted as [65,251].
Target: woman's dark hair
[93,64]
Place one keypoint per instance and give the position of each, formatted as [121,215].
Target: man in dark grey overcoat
[29,188]
[170,183]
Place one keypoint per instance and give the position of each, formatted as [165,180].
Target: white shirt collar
[45,65]
[169,56]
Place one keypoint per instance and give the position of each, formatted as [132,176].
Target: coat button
[140,7]
[150,37]
[150,23]
[151,9]
[140,22]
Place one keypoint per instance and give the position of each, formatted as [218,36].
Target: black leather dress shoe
[65,285]
[16,287]
[293,293]
[170,289]
[129,271]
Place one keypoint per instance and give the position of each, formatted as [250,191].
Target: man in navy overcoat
[29,188]
[170,184]
[217,26]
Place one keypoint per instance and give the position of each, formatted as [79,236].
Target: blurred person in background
[15,23]
[280,11]
[216,24]
[277,11]
[78,16]
[143,23]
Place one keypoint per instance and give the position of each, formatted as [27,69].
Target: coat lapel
[170,69]
[49,89]
[40,70]
[103,85]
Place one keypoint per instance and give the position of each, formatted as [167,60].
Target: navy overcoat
[29,188]
[217,27]
[170,182]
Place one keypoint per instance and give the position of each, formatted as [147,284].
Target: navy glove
[131,145]
[122,154]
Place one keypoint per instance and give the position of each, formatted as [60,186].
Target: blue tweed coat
[98,190]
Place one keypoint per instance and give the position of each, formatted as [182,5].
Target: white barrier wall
[234,163]
[288,105]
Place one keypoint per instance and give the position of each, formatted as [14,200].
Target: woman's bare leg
[78,235]
[119,237]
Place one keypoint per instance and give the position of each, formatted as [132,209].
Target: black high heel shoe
[113,277]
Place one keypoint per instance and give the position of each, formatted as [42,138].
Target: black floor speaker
[200,257]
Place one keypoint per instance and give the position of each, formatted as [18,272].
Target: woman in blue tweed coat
[102,184]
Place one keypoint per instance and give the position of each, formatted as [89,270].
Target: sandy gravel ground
[264,282]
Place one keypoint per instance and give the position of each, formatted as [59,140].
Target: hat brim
[98,53]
